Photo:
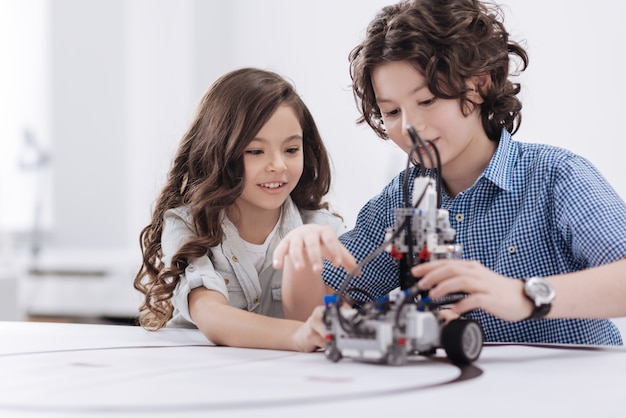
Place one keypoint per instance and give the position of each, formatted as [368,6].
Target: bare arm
[302,290]
[223,324]
[597,292]
[301,255]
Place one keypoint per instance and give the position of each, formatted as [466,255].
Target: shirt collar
[499,171]
[500,168]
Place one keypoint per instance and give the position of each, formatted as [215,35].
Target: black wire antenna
[417,139]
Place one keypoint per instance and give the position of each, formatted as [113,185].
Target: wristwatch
[541,293]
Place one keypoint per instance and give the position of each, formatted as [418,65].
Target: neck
[253,225]
[461,173]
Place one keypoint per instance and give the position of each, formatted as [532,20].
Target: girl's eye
[428,102]
[254,152]
[292,150]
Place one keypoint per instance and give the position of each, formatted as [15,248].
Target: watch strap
[540,311]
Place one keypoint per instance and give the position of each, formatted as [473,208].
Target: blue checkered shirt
[536,210]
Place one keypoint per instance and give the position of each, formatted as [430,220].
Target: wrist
[540,293]
[527,306]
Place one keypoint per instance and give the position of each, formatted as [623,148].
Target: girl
[522,211]
[251,168]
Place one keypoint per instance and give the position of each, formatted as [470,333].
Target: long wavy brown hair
[449,42]
[207,176]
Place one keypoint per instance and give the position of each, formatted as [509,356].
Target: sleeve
[200,271]
[380,275]
[590,215]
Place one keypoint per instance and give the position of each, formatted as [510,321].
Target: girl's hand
[499,295]
[308,245]
[310,336]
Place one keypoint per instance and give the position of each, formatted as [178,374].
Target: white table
[80,370]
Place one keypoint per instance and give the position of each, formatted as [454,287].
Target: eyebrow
[415,90]
[288,139]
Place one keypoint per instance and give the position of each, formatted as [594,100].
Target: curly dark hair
[207,175]
[449,42]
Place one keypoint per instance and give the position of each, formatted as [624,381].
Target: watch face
[540,290]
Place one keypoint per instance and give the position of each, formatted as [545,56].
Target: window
[25,158]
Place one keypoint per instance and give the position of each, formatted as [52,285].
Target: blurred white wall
[124,77]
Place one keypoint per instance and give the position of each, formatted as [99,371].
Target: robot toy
[406,322]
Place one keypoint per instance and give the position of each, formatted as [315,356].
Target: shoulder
[179,214]
[554,163]
[571,178]
[323,217]
[548,156]
[177,223]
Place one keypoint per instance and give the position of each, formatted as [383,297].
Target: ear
[477,86]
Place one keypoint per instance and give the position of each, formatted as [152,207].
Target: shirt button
[191,268]
[256,299]
[226,281]
[460,217]
[235,259]
[512,249]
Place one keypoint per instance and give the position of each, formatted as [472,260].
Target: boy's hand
[499,295]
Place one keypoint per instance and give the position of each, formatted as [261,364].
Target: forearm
[226,325]
[598,292]
[302,291]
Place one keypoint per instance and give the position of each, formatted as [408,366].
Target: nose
[276,162]
[414,136]
[413,120]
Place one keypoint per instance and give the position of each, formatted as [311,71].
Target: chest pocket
[276,288]
[271,304]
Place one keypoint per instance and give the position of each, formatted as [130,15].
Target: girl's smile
[273,187]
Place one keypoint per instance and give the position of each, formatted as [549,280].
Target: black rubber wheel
[463,340]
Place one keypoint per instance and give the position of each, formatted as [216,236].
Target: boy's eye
[391,113]
[427,102]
